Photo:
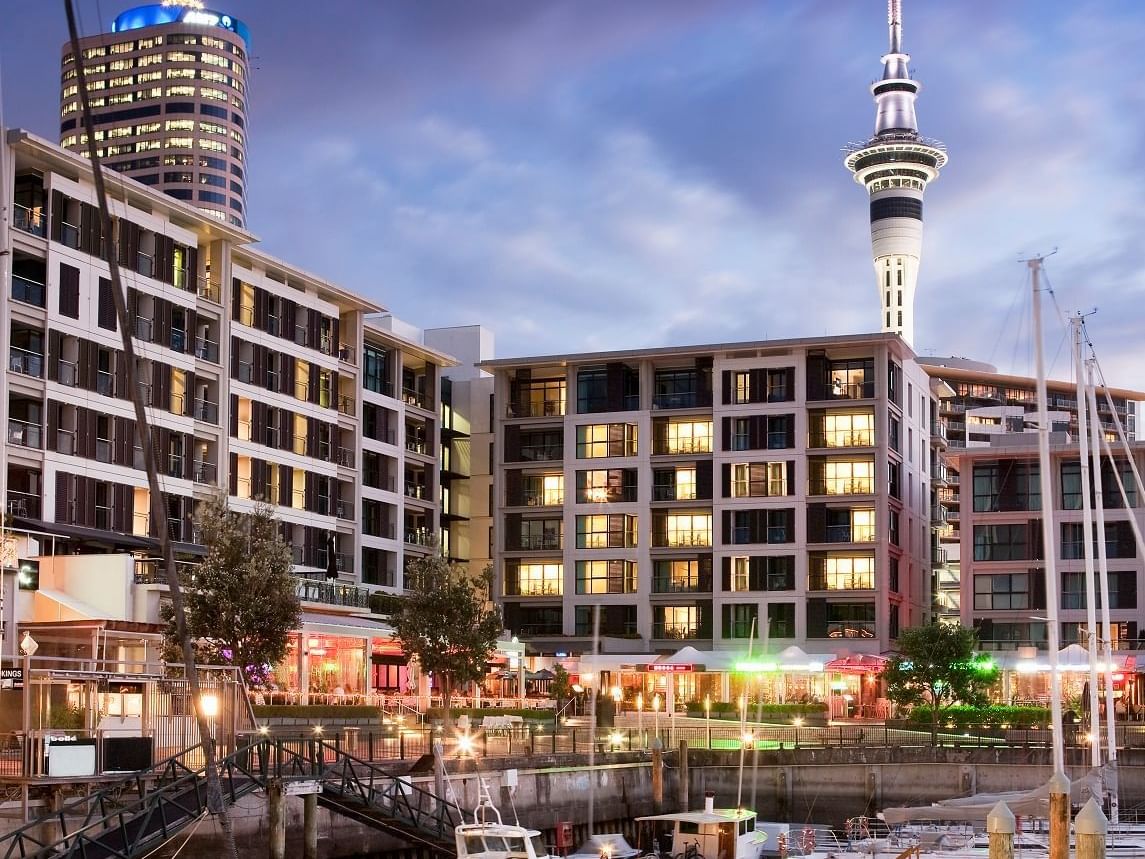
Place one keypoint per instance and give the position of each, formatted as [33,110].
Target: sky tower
[896,165]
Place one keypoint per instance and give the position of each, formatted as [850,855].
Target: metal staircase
[130,818]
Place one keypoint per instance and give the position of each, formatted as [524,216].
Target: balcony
[684,446]
[344,510]
[690,585]
[149,571]
[65,441]
[25,362]
[206,411]
[415,490]
[539,409]
[416,398]
[23,504]
[679,632]
[246,372]
[206,350]
[939,477]
[418,536]
[540,498]
[347,406]
[837,390]
[30,220]
[848,534]
[345,457]
[415,445]
[682,400]
[70,235]
[541,453]
[27,290]
[938,433]
[540,630]
[938,515]
[862,438]
[105,383]
[685,539]
[346,354]
[144,329]
[183,280]
[938,556]
[205,472]
[209,291]
[548,541]
[332,593]
[25,434]
[145,264]
[66,373]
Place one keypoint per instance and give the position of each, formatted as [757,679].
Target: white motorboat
[714,833]
[488,837]
[606,845]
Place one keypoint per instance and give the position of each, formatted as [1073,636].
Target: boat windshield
[539,848]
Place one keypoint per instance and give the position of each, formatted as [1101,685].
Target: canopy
[1022,803]
[684,656]
[857,663]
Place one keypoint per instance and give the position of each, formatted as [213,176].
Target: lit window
[177,73]
[855,573]
[758,479]
[594,441]
[150,60]
[849,478]
[180,125]
[849,430]
[179,142]
[689,529]
[212,145]
[606,577]
[212,128]
[182,90]
[540,579]
[688,437]
[125,80]
[212,93]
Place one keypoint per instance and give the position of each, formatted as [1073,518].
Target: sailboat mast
[1095,431]
[1091,643]
[1052,631]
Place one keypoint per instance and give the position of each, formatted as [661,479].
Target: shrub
[316,711]
[781,712]
[994,715]
[438,713]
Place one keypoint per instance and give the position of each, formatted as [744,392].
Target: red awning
[857,663]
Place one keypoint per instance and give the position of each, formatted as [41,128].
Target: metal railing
[25,433]
[206,411]
[536,409]
[332,593]
[30,219]
[345,457]
[690,585]
[66,373]
[205,472]
[347,406]
[540,453]
[416,398]
[209,291]
[27,290]
[862,438]
[144,329]
[418,536]
[347,354]
[850,391]
[25,361]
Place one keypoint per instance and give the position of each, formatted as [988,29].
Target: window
[537,534]
[677,621]
[678,389]
[536,579]
[895,434]
[685,437]
[848,477]
[754,574]
[847,525]
[781,620]
[1119,541]
[606,577]
[850,620]
[595,441]
[538,398]
[893,575]
[613,531]
[740,619]
[759,526]
[894,484]
[841,573]
[758,479]
[1003,542]
[851,380]
[613,619]
[688,529]
[605,486]
[593,389]
[1122,590]
[374,370]
[679,576]
[1002,591]
[677,483]
[1007,485]
[847,430]
[1111,493]
[545,490]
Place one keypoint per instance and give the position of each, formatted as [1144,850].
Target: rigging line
[1018,296]
[1020,333]
[1062,320]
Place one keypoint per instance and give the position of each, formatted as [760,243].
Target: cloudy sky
[587,174]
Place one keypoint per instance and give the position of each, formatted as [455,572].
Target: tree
[560,687]
[937,665]
[447,621]
[242,604]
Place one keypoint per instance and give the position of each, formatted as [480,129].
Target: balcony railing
[682,400]
[347,406]
[206,350]
[850,391]
[684,446]
[938,431]
[539,498]
[678,632]
[863,438]
[105,383]
[144,264]
[149,571]
[417,398]
[415,445]
[70,235]
[541,452]
[27,290]
[938,515]
[346,354]
[144,329]
[332,593]
[847,534]
[23,504]
[345,457]
[682,539]
[205,472]
[65,441]
[30,220]
[938,555]
[66,373]
[690,585]
[418,536]
[344,509]
[206,411]
[540,409]
[415,490]
[539,630]
[550,541]
[25,362]
[209,291]
[25,434]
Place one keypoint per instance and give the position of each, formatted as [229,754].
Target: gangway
[130,818]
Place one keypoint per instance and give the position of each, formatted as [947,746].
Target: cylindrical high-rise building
[895,166]
[168,92]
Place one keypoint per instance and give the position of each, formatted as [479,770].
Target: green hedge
[316,711]
[997,715]
[730,710]
[438,713]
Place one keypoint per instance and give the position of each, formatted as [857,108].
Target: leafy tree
[446,620]
[937,666]
[560,687]
[241,605]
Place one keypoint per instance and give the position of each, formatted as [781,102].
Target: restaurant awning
[857,663]
[350,627]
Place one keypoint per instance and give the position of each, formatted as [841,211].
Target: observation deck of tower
[895,165]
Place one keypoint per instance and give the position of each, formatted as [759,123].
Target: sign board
[11,678]
[301,788]
[668,668]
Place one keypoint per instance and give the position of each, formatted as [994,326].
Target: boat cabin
[714,833]
[498,841]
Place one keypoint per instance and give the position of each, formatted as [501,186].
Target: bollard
[1090,826]
[276,809]
[1000,825]
[657,775]
[1059,816]
[310,826]
[682,776]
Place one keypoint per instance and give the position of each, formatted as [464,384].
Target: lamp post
[708,718]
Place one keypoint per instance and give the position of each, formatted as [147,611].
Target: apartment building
[706,495]
[1003,582]
[978,406]
[263,381]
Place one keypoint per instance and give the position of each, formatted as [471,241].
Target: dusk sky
[583,175]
